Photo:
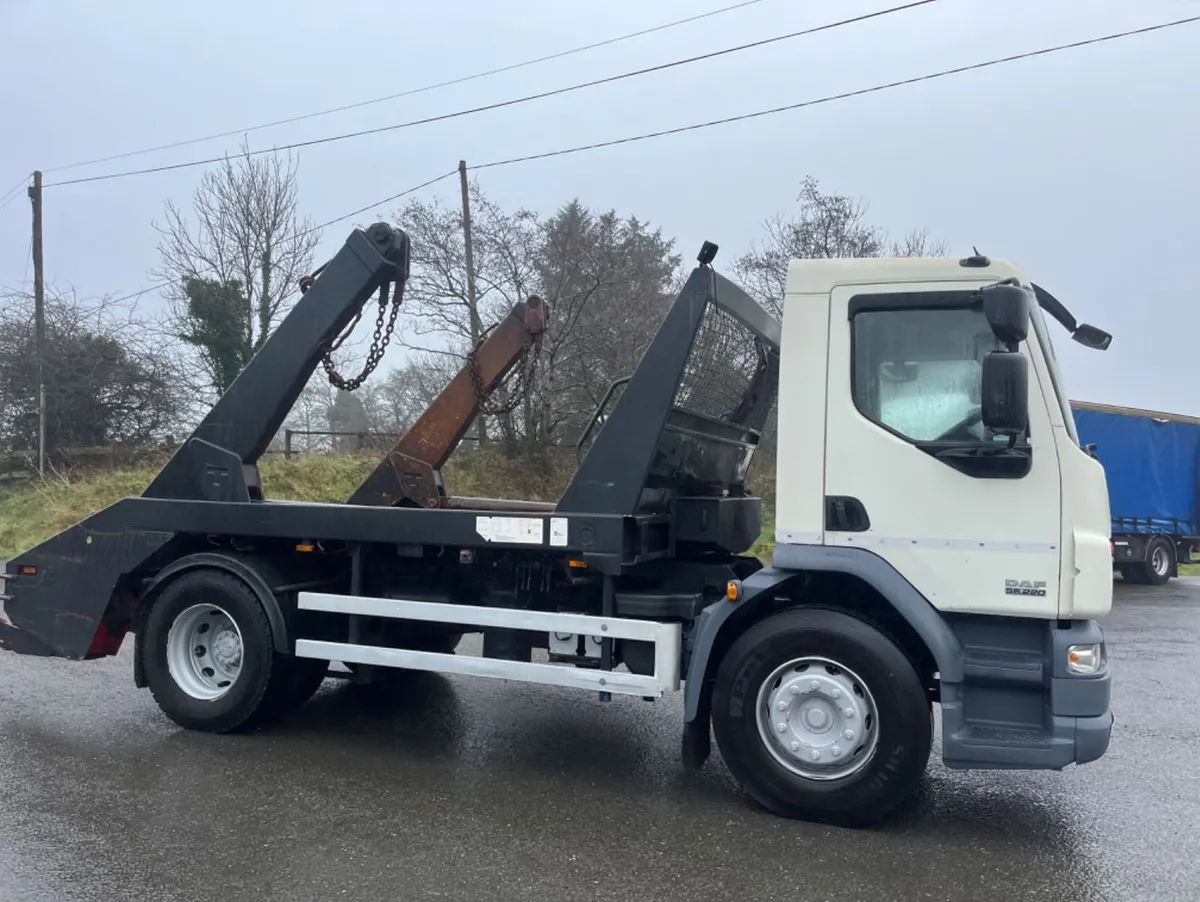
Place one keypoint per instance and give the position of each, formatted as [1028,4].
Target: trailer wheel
[210,659]
[819,716]
[1159,563]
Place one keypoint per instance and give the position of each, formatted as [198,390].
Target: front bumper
[1021,708]
[1080,704]
[1092,735]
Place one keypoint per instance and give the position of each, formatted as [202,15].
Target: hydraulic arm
[219,461]
[74,594]
[410,474]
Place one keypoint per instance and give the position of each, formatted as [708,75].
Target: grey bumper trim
[1080,696]
[1092,736]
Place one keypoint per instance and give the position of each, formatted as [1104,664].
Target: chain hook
[379,341]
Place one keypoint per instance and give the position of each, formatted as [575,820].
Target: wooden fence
[297,442]
[20,466]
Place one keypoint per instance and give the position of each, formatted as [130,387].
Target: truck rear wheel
[1160,561]
[210,658]
[820,716]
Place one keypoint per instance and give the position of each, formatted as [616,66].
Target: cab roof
[823,275]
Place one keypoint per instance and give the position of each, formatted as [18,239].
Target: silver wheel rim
[1158,560]
[818,719]
[204,652]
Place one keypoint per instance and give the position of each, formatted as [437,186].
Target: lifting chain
[510,392]
[514,390]
[379,341]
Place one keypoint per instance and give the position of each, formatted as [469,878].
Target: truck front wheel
[210,660]
[820,716]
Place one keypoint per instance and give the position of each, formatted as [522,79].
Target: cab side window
[917,372]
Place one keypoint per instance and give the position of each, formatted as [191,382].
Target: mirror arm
[1055,308]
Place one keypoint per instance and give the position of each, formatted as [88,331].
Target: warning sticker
[513,530]
[558,532]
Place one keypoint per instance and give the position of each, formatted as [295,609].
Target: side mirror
[1092,337]
[1005,392]
[1006,306]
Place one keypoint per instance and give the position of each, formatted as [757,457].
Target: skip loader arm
[75,594]
[410,474]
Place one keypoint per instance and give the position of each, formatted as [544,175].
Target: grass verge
[37,511]
[34,512]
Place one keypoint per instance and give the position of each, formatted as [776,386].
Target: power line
[18,186]
[138,294]
[9,201]
[834,97]
[378,203]
[411,91]
[12,193]
[745,116]
[507,103]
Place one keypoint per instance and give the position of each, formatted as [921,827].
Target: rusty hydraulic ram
[410,475]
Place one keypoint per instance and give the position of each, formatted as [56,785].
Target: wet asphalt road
[474,790]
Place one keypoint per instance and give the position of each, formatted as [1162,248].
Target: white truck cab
[927,451]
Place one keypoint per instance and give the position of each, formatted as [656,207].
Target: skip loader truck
[941,536]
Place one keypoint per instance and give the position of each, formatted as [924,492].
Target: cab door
[971,526]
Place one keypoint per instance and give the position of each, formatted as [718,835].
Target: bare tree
[310,413]
[441,316]
[828,225]
[916,243]
[234,274]
[108,377]
[396,403]
[604,281]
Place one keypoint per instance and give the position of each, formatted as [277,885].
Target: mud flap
[697,742]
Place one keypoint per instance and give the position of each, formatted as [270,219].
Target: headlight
[1086,659]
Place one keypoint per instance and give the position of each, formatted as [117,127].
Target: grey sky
[1078,166]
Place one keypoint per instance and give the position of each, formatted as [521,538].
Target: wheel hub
[227,649]
[204,652]
[817,719]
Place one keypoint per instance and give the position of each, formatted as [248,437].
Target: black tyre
[307,676]
[209,656]
[1159,563]
[819,716]
[1132,573]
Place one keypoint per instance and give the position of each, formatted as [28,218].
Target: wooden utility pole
[472,297]
[39,318]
